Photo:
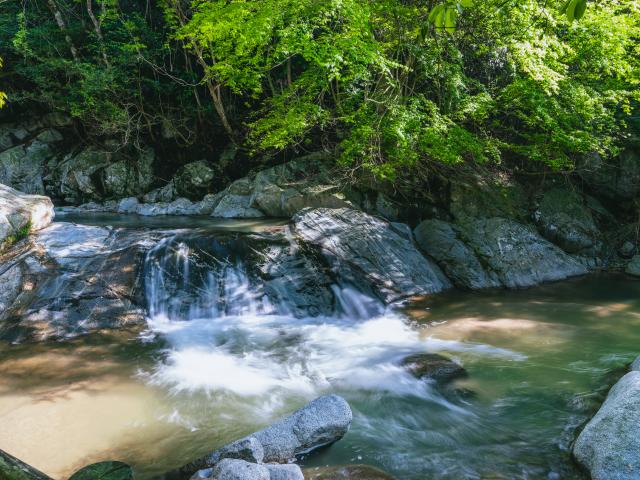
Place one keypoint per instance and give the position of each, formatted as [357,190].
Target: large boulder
[74,278]
[77,177]
[129,177]
[21,213]
[321,422]
[490,252]
[195,179]
[283,190]
[23,167]
[563,218]
[440,240]
[609,445]
[367,251]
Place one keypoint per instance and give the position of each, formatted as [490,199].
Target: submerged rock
[346,472]
[434,366]
[609,445]
[367,251]
[321,422]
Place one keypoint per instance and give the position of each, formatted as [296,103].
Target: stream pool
[539,362]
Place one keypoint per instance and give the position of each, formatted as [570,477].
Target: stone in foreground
[609,445]
[234,469]
[321,422]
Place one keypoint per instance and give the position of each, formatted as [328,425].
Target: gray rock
[128,205]
[617,178]
[195,179]
[236,206]
[50,135]
[164,194]
[516,253]
[248,449]
[434,367]
[76,278]
[284,472]
[230,469]
[77,175]
[609,445]
[366,251]
[440,241]
[387,208]
[564,219]
[633,267]
[22,167]
[321,422]
[129,177]
[19,211]
[627,250]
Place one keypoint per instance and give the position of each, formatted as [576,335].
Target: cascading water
[230,335]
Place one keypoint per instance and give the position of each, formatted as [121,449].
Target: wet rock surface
[633,267]
[321,422]
[432,366]
[369,252]
[609,445]
[74,279]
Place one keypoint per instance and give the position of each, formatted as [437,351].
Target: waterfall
[230,331]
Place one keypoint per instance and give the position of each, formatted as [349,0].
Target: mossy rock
[12,468]
[110,470]
[346,472]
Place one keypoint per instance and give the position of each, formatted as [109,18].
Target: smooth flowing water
[219,360]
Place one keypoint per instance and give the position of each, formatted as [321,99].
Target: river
[217,361]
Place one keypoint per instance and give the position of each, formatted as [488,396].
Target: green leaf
[571,10]
[435,11]
[450,19]
[466,3]
[581,6]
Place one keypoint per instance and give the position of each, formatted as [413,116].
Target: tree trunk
[63,28]
[98,30]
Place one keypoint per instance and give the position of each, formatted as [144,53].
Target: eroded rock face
[19,211]
[609,445]
[75,279]
[616,179]
[441,241]
[283,190]
[23,166]
[369,252]
[564,219]
[490,252]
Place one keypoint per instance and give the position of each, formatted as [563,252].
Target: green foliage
[20,234]
[393,86]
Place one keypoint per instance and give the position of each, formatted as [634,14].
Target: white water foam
[245,348]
